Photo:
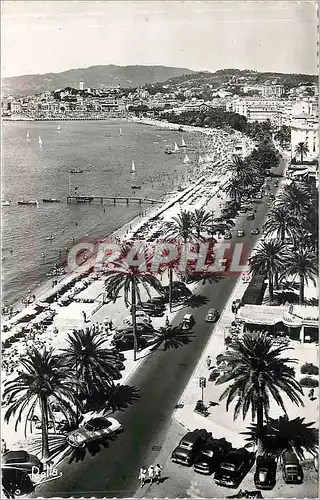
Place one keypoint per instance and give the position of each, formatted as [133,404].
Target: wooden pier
[112,199]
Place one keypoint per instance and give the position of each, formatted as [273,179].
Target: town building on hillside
[272,91]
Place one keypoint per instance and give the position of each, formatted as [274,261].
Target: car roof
[265,460]
[19,454]
[187,316]
[97,420]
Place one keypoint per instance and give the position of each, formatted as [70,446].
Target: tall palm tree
[302,262]
[45,379]
[269,258]
[255,370]
[281,435]
[128,278]
[301,149]
[200,218]
[283,223]
[94,365]
[182,226]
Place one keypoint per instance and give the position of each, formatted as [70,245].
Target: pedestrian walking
[110,325]
[157,473]
[142,476]
[151,473]
[208,362]
[167,322]
[84,316]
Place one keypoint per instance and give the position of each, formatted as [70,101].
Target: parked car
[96,428]
[265,474]
[212,315]
[243,210]
[125,341]
[227,235]
[255,231]
[139,321]
[190,446]
[15,482]
[211,455]
[251,216]
[234,467]
[187,322]
[151,309]
[20,459]
[292,472]
[240,233]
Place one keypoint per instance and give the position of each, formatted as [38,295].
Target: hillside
[94,76]
[223,76]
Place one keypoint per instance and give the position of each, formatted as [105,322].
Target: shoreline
[45,286]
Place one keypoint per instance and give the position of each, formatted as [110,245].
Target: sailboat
[58,128]
[28,135]
[186,159]
[133,167]
[40,141]
[120,131]
[183,144]
[176,148]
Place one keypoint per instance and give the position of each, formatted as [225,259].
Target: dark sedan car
[211,455]
[15,482]
[265,475]
[190,446]
[234,467]
[20,459]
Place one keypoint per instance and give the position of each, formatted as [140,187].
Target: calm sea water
[34,172]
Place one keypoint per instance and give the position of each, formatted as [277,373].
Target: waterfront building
[81,85]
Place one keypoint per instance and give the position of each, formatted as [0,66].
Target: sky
[53,36]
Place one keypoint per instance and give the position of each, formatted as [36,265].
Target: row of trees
[292,249]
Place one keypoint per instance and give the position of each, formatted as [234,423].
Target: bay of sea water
[30,172]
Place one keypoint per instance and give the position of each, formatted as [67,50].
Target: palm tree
[256,370]
[129,278]
[200,218]
[295,198]
[283,223]
[234,190]
[281,435]
[44,380]
[302,262]
[301,149]
[269,258]
[94,365]
[182,226]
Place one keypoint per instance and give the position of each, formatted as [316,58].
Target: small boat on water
[50,237]
[40,142]
[58,128]
[5,203]
[120,131]
[28,135]
[135,187]
[186,159]
[76,171]
[27,202]
[176,148]
[183,144]
[133,167]
[50,200]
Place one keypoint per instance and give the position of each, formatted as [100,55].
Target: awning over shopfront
[262,315]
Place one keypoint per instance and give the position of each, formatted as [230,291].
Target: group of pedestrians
[151,475]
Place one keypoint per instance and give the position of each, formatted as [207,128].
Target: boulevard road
[159,381]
